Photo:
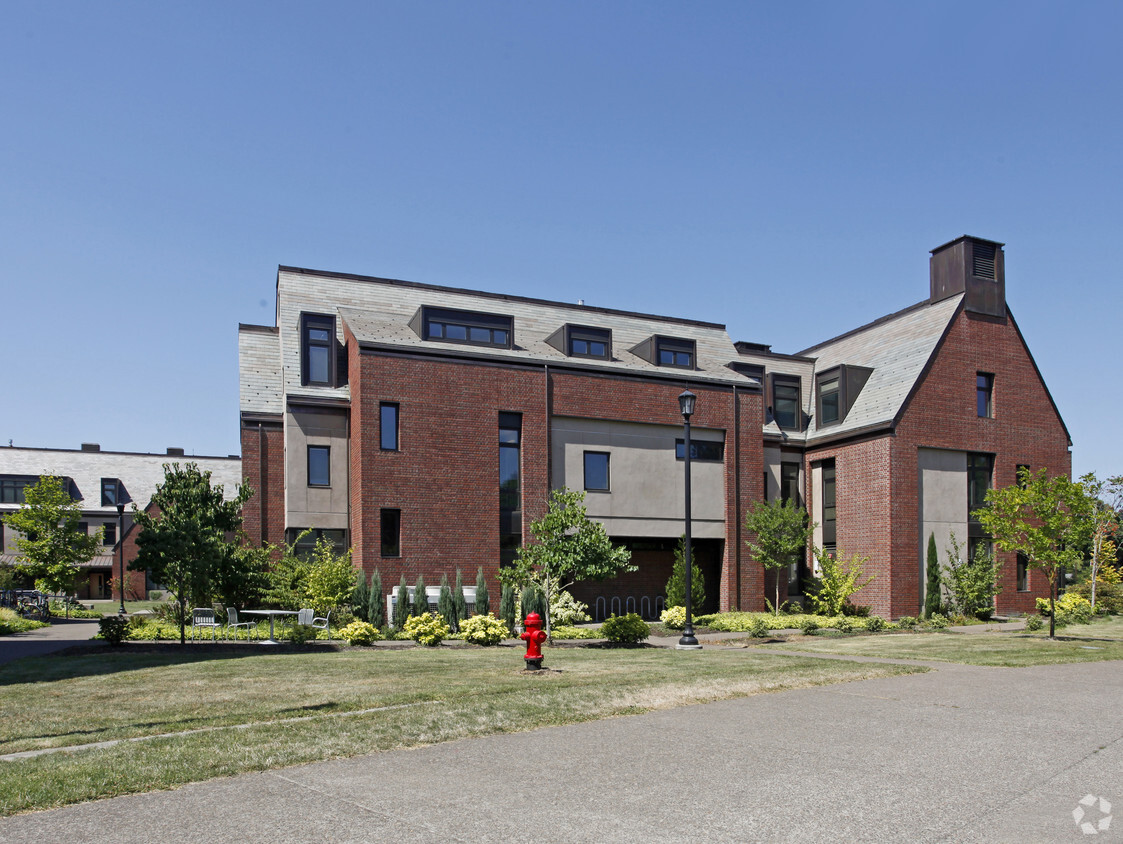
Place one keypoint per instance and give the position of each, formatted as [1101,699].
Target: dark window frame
[307,546]
[829,481]
[712,451]
[779,379]
[589,335]
[327,465]
[984,395]
[675,347]
[318,322]
[832,375]
[436,322]
[510,441]
[390,517]
[113,484]
[607,471]
[12,488]
[383,408]
[789,484]
[1022,573]
[109,535]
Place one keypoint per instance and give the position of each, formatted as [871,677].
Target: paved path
[63,633]
[958,754]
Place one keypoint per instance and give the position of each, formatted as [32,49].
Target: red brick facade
[263,469]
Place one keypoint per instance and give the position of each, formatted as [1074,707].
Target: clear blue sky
[781,168]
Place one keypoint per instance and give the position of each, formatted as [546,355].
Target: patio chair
[309,618]
[233,624]
[202,619]
[316,623]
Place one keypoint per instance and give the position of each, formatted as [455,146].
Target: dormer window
[110,494]
[836,391]
[673,351]
[470,327]
[786,402]
[829,401]
[587,342]
[317,341]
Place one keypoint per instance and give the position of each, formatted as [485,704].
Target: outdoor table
[272,615]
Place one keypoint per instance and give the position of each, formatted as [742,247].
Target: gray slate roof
[259,370]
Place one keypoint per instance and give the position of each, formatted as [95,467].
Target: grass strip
[273,701]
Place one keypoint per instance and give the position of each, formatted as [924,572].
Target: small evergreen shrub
[531,600]
[508,612]
[360,595]
[875,624]
[301,634]
[155,595]
[459,602]
[674,618]
[808,625]
[483,600]
[113,628]
[844,625]
[906,622]
[758,628]
[1034,623]
[376,603]
[420,599]
[429,629]
[483,630]
[446,607]
[359,633]
[938,622]
[625,629]
[401,605]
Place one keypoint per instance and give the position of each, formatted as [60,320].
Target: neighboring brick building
[424,427]
[100,480]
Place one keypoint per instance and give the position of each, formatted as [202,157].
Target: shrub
[114,629]
[972,583]
[301,634]
[838,579]
[401,605]
[1109,596]
[420,598]
[1034,623]
[567,610]
[875,624]
[459,602]
[483,600]
[428,629]
[483,630]
[676,585]
[938,622]
[626,629]
[376,603]
[674,618]
[13,622]
[155,595]
[531,600]
[932,589]
[844,625]
[758,628]
[565,632]
[446,607]
[905,622]
[808,625]
[360,596]
[1073,609]
[359,633]
[856,610]
[508,611]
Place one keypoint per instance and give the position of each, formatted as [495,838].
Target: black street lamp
[121,551]
[686,402]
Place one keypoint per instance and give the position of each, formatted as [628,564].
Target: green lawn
[449,694]
[1101,640]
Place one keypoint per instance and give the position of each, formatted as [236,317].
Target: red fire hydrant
[534,636]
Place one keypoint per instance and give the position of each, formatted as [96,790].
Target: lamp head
[686,402]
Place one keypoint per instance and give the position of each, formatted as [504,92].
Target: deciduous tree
[1105,500]
[782,532]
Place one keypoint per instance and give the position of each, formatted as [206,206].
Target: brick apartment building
[424,427]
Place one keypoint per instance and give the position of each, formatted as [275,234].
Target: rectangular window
[304,540]
[830,521]
[673,351]
[11,489]
[789,484]
[510,432]
[596,471]
[980,468]
[984,394]
[109,488]
[700,449]
[391,533]
[471,327]
[586,342]
[829,394]
[317,342]
[388,426]
[319,465]
[785,402]
[110,535]
[1023,573]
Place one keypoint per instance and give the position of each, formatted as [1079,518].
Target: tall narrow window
[596,471]
[789,484]
[510,492]
[109,537]
[984,394]
[317,338]
[1023,573]
[829,411]
[980,470]
[388,426]
[109,492]
[785,403]
[391,532]
[830,522]
[319,465]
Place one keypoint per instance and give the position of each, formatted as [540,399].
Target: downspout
[736,603]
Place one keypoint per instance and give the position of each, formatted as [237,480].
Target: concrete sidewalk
[63,633]
[959,754]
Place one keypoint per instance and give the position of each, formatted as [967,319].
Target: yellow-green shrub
[674,618]
[360,633]
[564,631]
[483,630]
[427,629]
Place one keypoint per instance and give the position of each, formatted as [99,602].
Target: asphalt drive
[958,754]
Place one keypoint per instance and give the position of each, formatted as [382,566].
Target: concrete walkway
[63,633]
[961,753]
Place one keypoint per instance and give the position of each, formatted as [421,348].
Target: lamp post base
[688,642]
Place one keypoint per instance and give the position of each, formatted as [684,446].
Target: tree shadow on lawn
[99,658]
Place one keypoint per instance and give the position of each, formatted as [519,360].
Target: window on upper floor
[700,449]
[317,345]
[12,488]
[984,394]
[110,492]
[510,432]
[596,471]
[304,540]
[471,327]
[786,402]
[789,484]
[674,351]
[388,426]
[109,535]
[830,400]
[588,342]
[391,532]
[319,465]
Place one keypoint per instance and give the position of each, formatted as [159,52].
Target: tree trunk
[1053,606]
